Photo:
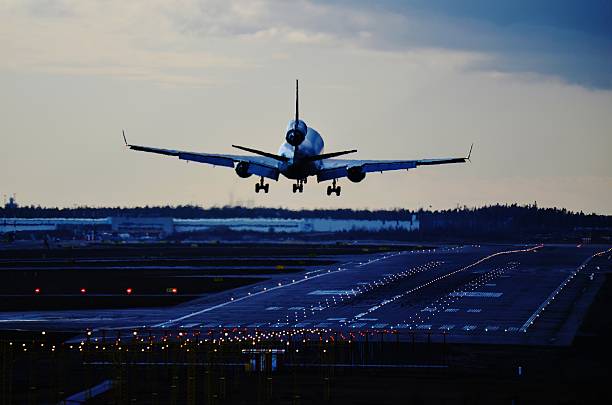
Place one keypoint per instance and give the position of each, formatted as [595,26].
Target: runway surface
[480,294]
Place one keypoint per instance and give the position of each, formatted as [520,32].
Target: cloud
[571,41]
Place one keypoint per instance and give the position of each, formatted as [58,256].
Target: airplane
[299,157]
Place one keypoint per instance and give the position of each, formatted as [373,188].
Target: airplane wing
[257,165]
[337,168]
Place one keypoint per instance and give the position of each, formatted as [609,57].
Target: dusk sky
[528,82]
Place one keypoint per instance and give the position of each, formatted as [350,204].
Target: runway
[477,294]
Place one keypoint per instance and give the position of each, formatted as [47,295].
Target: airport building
[160,227]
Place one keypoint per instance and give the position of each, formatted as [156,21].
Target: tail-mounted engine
[355,174]
[242,170]
[296,132]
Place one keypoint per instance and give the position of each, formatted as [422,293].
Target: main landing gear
[334,189]
[262,186]
[299,186]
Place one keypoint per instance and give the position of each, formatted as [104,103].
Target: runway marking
[279,325]
[474,310]
[266,290]
[331,292]
[369,319]
[379,325]
[476,294]
[190,325]
[402,326]
[273,308]
[358,325]
[491,328]
[446,327]
[302,324]
[469,327]
[211,325]
[337,319]
[323,324]
[232,325]
[428,309]
[490,285]
[256,325]
[424,327]
[451,310]
[296,308]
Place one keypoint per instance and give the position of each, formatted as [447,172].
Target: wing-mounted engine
[355,174]
[296,132]
[242,170]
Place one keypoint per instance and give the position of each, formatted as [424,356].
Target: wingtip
[468,158]
[124,138]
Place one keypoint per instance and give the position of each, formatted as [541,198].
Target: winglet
[124,139]
[469,153]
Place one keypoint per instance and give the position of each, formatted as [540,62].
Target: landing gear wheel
[299,186]
[262,186]
[334,189]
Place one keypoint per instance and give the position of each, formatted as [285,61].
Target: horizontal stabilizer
[262,153]
[329,155]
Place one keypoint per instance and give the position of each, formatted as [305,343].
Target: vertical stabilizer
[297,101]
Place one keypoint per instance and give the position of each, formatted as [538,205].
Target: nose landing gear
[262,186]
[334,188]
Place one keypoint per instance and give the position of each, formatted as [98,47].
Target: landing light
[37,290]
[128,291]
[83,290]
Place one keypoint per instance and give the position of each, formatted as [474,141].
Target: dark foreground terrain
[311,324]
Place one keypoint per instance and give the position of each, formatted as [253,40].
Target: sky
[528,82]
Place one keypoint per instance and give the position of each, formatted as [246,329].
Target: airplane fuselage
[298,167]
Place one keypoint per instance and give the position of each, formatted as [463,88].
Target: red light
[83,291]
[37,290]
[128,290]
[174,291]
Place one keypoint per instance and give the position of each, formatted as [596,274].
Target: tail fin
[297,98]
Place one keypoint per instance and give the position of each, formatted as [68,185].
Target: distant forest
[498,222]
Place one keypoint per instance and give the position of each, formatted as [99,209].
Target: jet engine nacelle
[296,132]
[355,174]
[242,170]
